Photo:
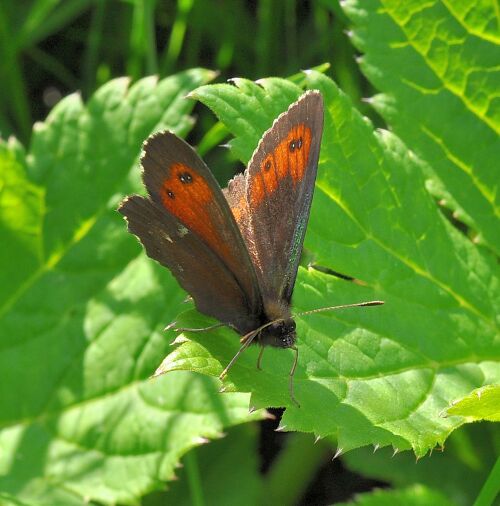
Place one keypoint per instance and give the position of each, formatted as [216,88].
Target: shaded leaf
[412,496]
[82,311]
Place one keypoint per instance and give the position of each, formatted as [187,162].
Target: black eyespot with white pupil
[296,144]
[267,165]
[185,177]
[171,194]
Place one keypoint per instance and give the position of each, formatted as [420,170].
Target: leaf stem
[490,488]
[177,35]
[142,40]
[194,481]
[14,93]
[94,40]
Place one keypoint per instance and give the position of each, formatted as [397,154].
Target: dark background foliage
[51,49]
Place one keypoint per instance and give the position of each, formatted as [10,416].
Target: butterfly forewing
[186,225]
[271,201]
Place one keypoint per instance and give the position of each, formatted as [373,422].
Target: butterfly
[235,251]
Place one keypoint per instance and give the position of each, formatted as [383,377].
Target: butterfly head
[280,334]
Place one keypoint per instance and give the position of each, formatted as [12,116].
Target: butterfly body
[237,250]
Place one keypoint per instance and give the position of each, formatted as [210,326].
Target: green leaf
[82,311]
[437,68]
[247,119]
[480,404]
[378,375]
[412,496]
[21,206]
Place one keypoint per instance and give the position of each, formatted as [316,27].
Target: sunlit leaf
[481,404]
[380,375]
[436,66]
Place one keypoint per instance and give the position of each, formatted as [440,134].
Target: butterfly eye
[185,177]
[171,194]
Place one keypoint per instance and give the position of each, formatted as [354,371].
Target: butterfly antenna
[344,306]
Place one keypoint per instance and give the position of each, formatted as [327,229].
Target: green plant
[411,215]
[388,383]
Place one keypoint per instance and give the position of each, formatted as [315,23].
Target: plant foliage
[378,376]
[83,309]
[411,215]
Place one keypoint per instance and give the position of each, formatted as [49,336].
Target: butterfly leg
[247,341]
[259,359]
[292,372]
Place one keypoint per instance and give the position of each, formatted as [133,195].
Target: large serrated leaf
[381,375]
[436,65]
[82,311]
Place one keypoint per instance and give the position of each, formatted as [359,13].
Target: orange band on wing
[181,187]
[188,197]
[289,158]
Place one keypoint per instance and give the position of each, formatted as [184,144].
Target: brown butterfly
[236,251]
